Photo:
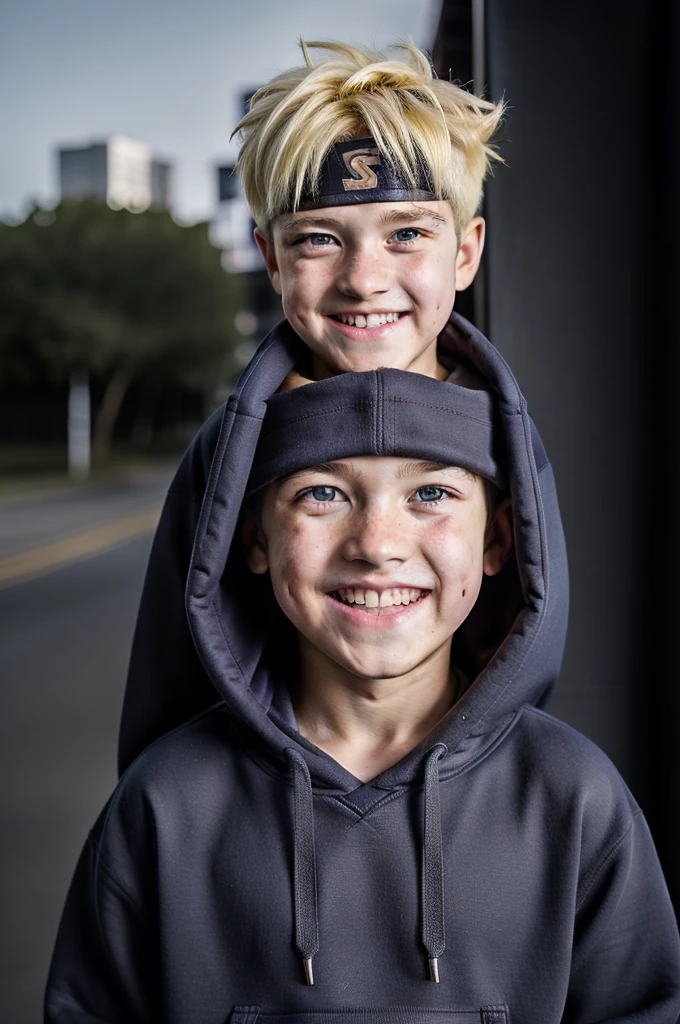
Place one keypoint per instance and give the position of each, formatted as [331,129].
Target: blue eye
[430,493]
[320,239]
[322,493]
[406,234]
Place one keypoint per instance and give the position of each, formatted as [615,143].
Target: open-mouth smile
[364,320]
[391,600]
[366,325]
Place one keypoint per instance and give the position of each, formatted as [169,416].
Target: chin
[381,669]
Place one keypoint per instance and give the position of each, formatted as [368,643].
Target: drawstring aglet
[309,973]
[434,969]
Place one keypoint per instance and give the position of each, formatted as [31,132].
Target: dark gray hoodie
[233,853]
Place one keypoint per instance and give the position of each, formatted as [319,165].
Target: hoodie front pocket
[394,1015]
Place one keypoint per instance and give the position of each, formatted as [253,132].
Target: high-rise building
[121,172]
[232,226]
[231,230]
[161,184]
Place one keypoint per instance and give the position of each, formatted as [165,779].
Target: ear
[499,539]
[470,253]
[254,543]
[265,244]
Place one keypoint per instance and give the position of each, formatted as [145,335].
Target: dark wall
[577,280]
[566,306]
[663,551]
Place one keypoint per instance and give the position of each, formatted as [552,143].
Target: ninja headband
[377,412]
[358,172]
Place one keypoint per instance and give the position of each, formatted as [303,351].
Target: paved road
[64,642]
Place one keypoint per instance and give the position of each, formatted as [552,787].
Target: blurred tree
[117,295]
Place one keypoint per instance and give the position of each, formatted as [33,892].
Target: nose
[379,538]
[365,272]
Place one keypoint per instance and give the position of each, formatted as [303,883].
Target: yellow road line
[68,550]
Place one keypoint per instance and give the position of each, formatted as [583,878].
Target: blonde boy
[364,175]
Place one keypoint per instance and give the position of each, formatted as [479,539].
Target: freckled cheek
[292,296]
[457,559]
[297,566]
[283,564]
[432,288]
[303,287]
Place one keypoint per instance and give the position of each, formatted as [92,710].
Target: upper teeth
[372,320]
[372,599]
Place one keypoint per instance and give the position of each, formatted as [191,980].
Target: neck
[426,363]
[368,725]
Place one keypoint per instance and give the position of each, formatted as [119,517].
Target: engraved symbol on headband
[359,163]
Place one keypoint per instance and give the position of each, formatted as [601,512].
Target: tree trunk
[79,445]
[107,413]
[143,426]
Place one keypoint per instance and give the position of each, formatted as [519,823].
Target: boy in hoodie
[377,822]
[363,175]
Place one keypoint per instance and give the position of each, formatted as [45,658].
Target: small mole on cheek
[463,593]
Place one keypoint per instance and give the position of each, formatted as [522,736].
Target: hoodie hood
[510,646]
[378,412]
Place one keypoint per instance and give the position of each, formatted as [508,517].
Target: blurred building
[232,226]
[122,172]
[231,230]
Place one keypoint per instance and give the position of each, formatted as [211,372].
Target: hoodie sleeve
[103,967]
[626,960]
[163,658]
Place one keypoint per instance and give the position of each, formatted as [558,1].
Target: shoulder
[186,755]
[182,770]
[576,774]
[192,475]
[184,784]
[570,758]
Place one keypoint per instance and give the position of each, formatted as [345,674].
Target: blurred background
[131,295]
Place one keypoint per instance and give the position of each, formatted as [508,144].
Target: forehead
[437,214]
[377,470]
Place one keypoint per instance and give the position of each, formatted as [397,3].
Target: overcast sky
[167,72]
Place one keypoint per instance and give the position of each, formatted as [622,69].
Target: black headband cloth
[358,172]
[377,412]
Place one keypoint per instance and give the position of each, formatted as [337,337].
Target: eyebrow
[408,470]
[310,222]
[403,214]
[418,468]
[412,212]
[325,467]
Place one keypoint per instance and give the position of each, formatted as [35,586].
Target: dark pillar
[577,280]
[662,551]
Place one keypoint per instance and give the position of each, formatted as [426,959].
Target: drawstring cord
[304,865]
[434,938]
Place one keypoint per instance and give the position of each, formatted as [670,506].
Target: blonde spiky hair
[295,119]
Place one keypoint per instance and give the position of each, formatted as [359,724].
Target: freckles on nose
[364,263]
